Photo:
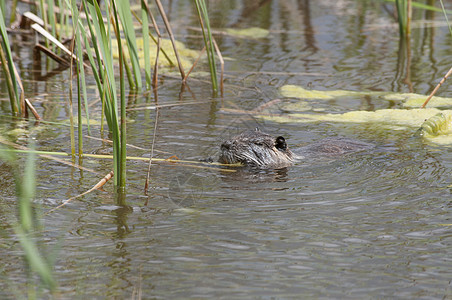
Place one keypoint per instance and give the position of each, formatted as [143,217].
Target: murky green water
[376,224]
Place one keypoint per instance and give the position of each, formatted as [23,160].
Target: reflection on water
[374,224]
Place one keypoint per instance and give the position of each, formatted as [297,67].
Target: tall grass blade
[107,85]
[125,15]
[401,6]
[8,68]
[123,143]
[159,38]
[145,33]
[13,10]
[3,8]
[35,260]
[208,41]
[445,16]
[81,82]
[43,11]
[25,192]
[51,17]
[26,187]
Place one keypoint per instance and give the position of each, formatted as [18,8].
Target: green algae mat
[431,123]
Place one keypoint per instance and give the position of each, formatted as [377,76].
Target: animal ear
[280,143]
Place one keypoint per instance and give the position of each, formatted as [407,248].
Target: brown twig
[170,32]
[195,63]
[33,110]
[437,87]
[53,55]
[100,184]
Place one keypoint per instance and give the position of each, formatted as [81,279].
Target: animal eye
[280,143]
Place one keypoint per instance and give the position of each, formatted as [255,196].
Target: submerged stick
[33,110]
[100,184]
[52,55]
[437,87]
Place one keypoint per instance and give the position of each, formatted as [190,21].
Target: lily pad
[408,99]
[253,32]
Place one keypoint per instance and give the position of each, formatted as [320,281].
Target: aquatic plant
[404,16]
[27,226]
[103,70]
[208,41]
[9,70]
[110,27]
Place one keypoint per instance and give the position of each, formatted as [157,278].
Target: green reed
[97,32]
[404,16]
[146,41]
[27,227]
[33,256]
[8,68]
[445,16]
[208,41]
[81,86]
[122,8]
[106,83]
[132,47]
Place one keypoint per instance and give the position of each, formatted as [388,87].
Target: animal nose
[226,145]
